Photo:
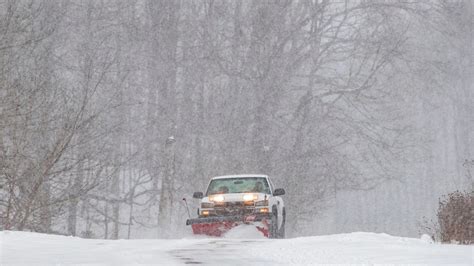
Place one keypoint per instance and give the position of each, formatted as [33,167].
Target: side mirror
[197,195]
[279,192]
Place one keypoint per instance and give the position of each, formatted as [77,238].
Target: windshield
[238,185]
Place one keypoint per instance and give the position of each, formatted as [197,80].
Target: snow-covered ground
[355,248]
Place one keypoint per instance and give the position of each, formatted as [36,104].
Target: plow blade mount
[217,226]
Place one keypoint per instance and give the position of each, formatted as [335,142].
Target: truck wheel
[281,233]
[273,230]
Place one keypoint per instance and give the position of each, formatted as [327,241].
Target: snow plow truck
[233,200]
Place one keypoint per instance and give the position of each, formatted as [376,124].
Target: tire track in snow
[219,252]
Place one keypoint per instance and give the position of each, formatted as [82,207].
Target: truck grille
[233,208]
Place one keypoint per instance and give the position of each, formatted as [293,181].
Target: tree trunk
[166,197]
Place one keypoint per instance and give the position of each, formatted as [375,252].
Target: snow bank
[41,249]
[364,248]
[360,248]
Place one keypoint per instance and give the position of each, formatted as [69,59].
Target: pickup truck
[232,200]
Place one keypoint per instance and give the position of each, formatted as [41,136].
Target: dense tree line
[112,111]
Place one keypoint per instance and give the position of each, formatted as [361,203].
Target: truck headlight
[261,203]
[249,197]
[217,198]
[207,205]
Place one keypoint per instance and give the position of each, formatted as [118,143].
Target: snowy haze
[111,112]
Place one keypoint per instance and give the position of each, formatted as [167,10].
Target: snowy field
[239,247]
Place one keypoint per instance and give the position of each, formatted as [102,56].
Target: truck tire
[281,232]
[273,230]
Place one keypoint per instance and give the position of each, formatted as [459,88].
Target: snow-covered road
[354,248]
